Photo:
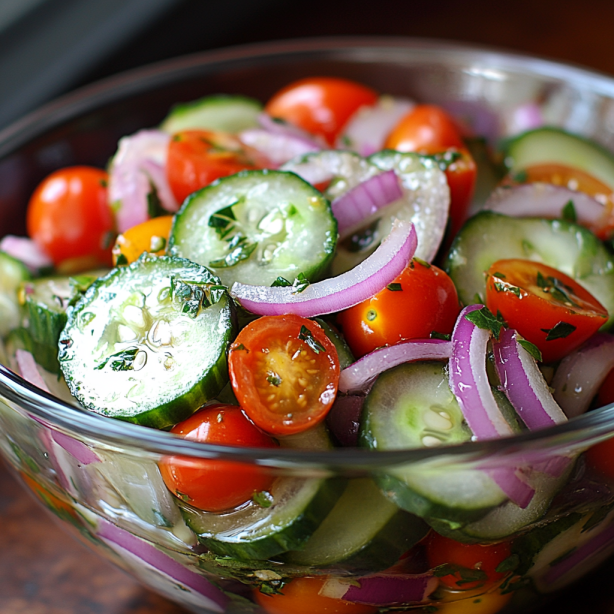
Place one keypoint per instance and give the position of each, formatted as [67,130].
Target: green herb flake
[394,287]
[568,213]
[120,361]
[263,498]
[121,260]
[274,379]
[154,204]
[240,348]
[240,248]
[520,176]
[307,336]
[223,219]
[443,336]
[558,290]
[281,282]
[499,275]
[531,348]
[483,318]
[559,331]
[465,574]
[300,284]
[508,564]
[424,263]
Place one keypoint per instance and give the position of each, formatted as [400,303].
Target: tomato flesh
[420,301]
[320,105]
[468,558]
[284,372]
[70,219]
[547,307]
[149,236]
[196,158]
[217,485]
[300,596]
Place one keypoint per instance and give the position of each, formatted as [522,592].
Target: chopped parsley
[307,336]
[394,287]
[274,379]
[263,498]
[556,288]
[484,318]
[435,335]
[120,361]
[531,348]
[154,204]
[559,331]
[281,282]
[568,212]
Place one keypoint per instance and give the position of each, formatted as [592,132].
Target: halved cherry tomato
[320,105]
[150,236]
[300,596]
[420,301]
[217,485]
[198,157]
[547,307]
[70,219]
[429,129]
[284,371]
[474,565]
[574,179]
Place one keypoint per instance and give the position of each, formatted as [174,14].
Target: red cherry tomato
[198,157]
[548,308]
[477,564]
[320,105]
[421,300]
[284,371]
[69,218]
[217,485]
[300,596]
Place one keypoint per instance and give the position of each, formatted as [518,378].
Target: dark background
[48,47]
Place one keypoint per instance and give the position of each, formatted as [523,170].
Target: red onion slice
[28,369]
[336,293]
[360,373]
[26,251]
[524,384]
[283,128]
[160,570]
[368,128]
[277,148]
[545,200]
[581,373]
[364,200]
[137,168]
[382,589]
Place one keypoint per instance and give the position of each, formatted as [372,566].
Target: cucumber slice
[147,343]
[411,406]
[488,237]
[256,226]
[364,531]
[12,273]
[253,532]
[45,355]
[346,358]
[550,144]
[222,112]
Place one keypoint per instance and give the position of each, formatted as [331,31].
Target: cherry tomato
[217,485]
[421,300]
[426,129]
[70,219]
[461,175]
[198,157]
[320,105]
[284,371]
[482,603]
[150,236]
[471,557]
[300,596]
[547,307]
[574,179]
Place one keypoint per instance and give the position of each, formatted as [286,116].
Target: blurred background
[49,47]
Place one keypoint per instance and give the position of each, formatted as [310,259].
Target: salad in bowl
[311,341]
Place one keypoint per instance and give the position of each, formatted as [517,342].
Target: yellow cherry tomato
[150,236]
[488,603]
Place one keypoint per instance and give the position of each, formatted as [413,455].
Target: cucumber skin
[291,537]
[44,354]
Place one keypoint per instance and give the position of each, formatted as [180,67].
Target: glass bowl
[101,479]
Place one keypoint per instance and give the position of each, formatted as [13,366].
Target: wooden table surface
[42,571]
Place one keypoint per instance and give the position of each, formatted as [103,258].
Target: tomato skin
[443,550]
[284,371]
[300,596]
[320,105]
[196,158]
[217,485]
[70,219]
[428,302]
[461,175]
[141,238]
[512,288]
[600,456]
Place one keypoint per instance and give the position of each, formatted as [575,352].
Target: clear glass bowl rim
[54,413]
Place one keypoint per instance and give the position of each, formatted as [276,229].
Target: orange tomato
[320,105]
[150,236]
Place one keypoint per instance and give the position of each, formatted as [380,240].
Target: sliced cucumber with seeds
[147,343]
[12,273]
[411,406]
[256,226]
[572,249]
[222,112]
[255,532]
[554,145]
[364,531]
